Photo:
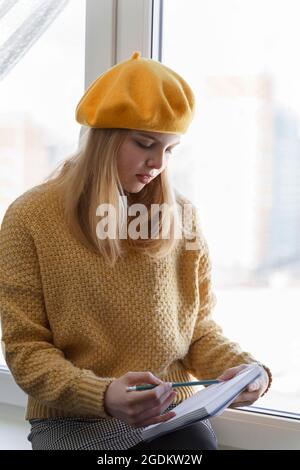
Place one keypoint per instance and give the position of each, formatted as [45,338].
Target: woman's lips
[143,178]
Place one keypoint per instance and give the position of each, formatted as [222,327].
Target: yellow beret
[139,94]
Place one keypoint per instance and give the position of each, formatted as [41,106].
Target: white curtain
[22,22]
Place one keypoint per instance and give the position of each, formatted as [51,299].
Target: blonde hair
[89,177]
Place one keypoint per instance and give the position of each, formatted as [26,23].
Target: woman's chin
[135,189]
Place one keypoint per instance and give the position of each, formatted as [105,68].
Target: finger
[154,412]
[246,396]
[145,407]
[169,398]
[154,416]
[135,378]
[149,396]
[229,373]
[232,372]
[254,386]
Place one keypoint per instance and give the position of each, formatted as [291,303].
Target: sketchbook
[211,401]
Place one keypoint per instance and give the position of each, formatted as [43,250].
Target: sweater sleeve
[210,352]
[38,367]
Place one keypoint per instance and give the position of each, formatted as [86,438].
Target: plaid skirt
[87,433]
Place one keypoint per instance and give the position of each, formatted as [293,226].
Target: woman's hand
[253,391]
[140,408]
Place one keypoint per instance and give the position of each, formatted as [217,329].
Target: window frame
[242,429]
[10,392]
[116,28]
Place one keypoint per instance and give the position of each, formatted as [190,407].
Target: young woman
[89,307]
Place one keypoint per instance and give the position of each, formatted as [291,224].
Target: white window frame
[241,429]
[10,393]
[115,29]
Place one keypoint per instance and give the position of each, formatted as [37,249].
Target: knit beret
[138,93]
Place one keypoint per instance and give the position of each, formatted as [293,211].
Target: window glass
[240,164]
[38,98]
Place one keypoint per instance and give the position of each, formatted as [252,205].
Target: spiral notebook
[211,401]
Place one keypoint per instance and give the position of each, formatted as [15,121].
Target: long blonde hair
[89,177]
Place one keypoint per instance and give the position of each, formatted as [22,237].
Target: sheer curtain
[21,25]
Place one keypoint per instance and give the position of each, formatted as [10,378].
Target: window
[240,164]
[38,98]
[116,28]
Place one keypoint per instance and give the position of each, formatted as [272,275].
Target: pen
[137,388]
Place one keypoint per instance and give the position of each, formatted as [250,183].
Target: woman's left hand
[253,391]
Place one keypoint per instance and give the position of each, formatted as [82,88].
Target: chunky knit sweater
[71,324]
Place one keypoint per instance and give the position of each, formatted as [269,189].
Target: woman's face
[144,153]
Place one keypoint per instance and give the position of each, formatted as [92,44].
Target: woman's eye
[143,146]
[149,146]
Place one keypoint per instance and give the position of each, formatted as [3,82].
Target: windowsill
[256,431]
[13,428]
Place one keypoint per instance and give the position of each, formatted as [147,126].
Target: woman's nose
[156,161]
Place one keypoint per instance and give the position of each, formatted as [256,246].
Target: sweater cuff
[91,392]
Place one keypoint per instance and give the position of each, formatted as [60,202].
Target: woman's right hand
[140,408]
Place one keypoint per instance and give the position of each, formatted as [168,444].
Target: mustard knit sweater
[71,324]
